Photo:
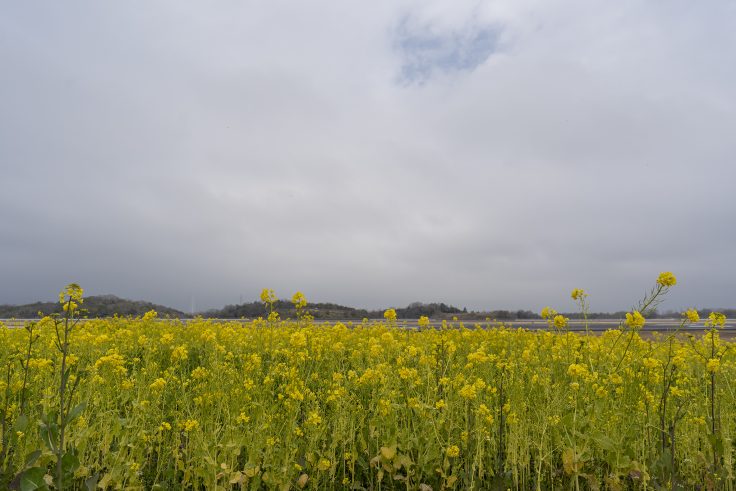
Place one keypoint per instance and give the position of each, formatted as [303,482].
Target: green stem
[62,394]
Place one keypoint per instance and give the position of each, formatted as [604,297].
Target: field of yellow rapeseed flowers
[144,403]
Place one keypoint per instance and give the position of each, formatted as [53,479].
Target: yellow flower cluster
[716,320]
[268,296]
[691,315]
[275,402]
[189,425]
[299,300]
[578,294]
[560,322]
[666,279]
[635,320]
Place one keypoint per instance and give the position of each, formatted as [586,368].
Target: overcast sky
[485,154]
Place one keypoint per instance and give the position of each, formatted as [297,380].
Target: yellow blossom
[299,300]
[268,296]
[179,353]
[72,292]
[560,322]
[578,294]
[691,315]
[716,319]
[635,320]
[189,425]
[314,419]
[324,464]
[666,279]
[548,313]
[468,392]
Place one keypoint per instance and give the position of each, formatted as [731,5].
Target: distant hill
[109,305]
[329,311]
[97,306]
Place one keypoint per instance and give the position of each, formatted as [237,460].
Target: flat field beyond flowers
[159,404]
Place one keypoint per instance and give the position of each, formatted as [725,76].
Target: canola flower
[716,320]
[691,315]
[713,365]
[268,296]
[578,294]
[666,279]
[299,300]
[236,405]
[548,313]
[560,322]
[635,320]
[453,451]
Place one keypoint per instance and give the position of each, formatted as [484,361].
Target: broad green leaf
[32,479]
[76,412]
[49,435]
[91,482]
[31,458]
[69,463]
[21,423]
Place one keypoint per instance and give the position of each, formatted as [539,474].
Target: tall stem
[62,394]
[713,398]
[25,370]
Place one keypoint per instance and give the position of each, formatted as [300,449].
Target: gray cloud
[176,150]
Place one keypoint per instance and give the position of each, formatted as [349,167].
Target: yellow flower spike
[390,315]
[691,315]
[72,292]
[666,279]
[635,320]
[716,320]
[560,322]
[548,313]
[578,293]
[713,365]
[453,451]
[324,464]
[268,296]
[299,300]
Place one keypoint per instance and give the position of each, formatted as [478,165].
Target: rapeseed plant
[300,404]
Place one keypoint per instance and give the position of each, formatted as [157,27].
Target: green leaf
[76,412]
[49,435]
[32,479]
[21,423]
[91,482]
[69,463]
[31,458]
